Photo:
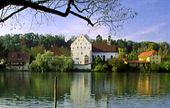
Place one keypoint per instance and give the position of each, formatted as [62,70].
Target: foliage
[35,44]
[37,50]
[108,13]
[99,39]
[155,67]
[49,62]
[98,65]
[166,65]
[113,64]
[133,55]
[116,64]
[100,68]
[121,52]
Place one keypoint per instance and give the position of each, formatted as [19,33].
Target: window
[103,57]
[111,56]
[93,57]
[86,59]
[84,47]
[77,47]
[81,53]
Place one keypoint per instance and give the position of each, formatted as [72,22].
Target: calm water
[85,90]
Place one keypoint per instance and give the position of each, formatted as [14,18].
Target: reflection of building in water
[101,85]
[144,86]
[148,85]
[80,89]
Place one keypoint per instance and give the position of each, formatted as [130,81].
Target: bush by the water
[166,65]
[117,64]
[98,65]
[113,65]
[48,62]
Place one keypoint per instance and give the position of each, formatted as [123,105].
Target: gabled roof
[147,53]
[18,57]
[101,47]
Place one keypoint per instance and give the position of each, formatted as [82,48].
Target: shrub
[49,62]
[166,65]
[116,64]
[100,68]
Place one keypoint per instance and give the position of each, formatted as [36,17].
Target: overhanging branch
[82,17]
[9,16]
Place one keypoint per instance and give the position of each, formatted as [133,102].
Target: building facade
[83,52]
[104,51]
[150,56]
[18,61]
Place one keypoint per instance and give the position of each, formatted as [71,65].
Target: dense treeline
[35,44]
[32,43]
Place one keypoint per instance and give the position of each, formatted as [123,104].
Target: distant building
[104,51]
[18,61]
[150,56]
[83,52]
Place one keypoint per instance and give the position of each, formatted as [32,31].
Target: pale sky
[151,24]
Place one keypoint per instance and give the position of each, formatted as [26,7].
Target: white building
[104,51]
[83,52]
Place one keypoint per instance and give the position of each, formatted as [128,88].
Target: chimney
[109,40]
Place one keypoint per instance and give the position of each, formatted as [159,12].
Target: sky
[151,24]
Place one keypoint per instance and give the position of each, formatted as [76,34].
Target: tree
[48,62]
[166,65]
[133,55]
[37,50]
[96,12]
[117,64]
[99,39]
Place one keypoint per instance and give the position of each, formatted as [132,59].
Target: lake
[85,90]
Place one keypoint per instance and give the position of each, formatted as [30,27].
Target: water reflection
[80,89]
[85,90]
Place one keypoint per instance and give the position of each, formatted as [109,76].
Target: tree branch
[82,17]
[9,16]
[44,8]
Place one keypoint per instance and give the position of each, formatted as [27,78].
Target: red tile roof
[147,53]
[104,48]
[18,57]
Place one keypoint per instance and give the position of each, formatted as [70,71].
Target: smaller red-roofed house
[18,61]
[150,57]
